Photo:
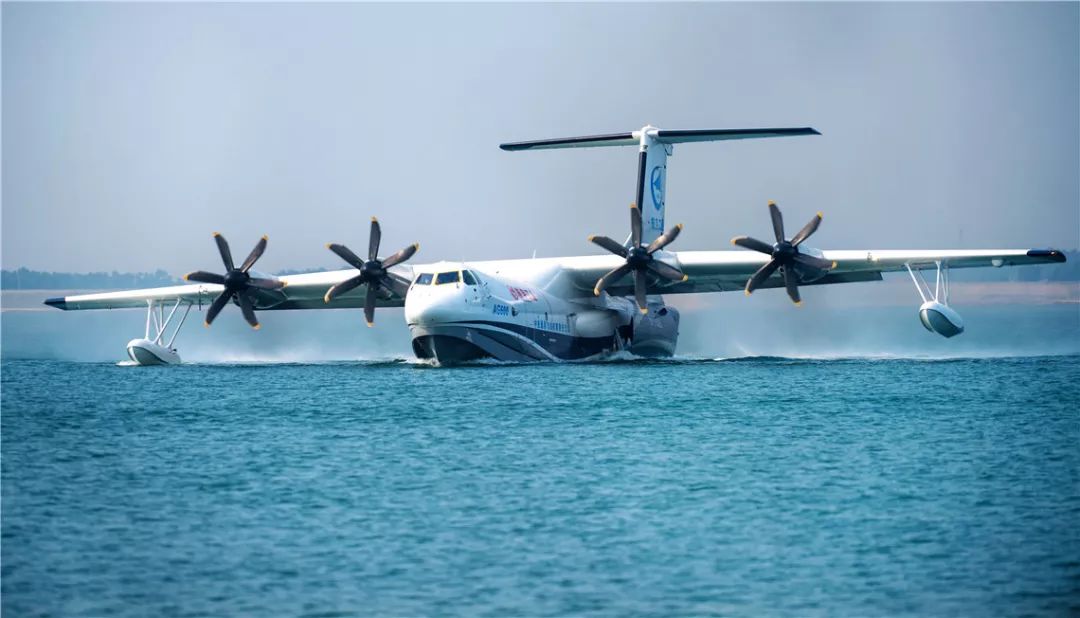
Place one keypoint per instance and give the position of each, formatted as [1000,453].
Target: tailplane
[655,145]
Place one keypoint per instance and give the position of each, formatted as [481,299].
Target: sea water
[756,486]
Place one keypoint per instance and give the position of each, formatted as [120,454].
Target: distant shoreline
[894,291]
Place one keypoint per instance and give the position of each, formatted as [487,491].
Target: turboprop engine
[656,332]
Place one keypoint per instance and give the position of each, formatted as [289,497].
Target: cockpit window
[424,279]
[468,277]
[451,277]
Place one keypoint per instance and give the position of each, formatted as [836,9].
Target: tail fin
[655,145]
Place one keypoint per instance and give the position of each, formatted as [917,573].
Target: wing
[726,271]
[304,291]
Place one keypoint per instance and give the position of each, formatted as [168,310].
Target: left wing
[726,271]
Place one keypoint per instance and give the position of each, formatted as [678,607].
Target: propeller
[639,259]
[238,283]
[373,272]
[785,254]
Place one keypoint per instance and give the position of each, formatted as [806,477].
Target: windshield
[424,279]
[468,277]
[450,277]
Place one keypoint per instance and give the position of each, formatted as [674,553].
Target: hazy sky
[133,131]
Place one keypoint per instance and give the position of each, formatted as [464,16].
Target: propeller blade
[640,291]
[814,262]
[807,230]
[369,306]
[223,248]
[612,276]
[666,271]
[343,287]
[216,306]
[374,240]
[753,244]
[777,221]
[635,225]
[664,239]
[792,284]
[761,275]
[346,254]
[248,310]
[609,244]
[401,256]
[255,254]
[201,276]
[265,284]
[396,284]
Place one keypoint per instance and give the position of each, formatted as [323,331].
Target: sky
[131,132]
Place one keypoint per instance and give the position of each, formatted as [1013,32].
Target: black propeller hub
[373,269]
[236,280]
[638,257]
[784,251]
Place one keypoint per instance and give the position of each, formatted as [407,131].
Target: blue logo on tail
[656,181]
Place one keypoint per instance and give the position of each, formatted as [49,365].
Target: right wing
[304,291]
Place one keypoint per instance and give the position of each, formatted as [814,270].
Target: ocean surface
[752,486]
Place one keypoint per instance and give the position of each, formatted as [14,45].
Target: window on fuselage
[450,277]
[468,277]
[424,279]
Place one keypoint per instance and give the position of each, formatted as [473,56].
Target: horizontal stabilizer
[633,138]
[714,135]
[586,141]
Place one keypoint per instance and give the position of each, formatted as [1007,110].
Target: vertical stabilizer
[651,183]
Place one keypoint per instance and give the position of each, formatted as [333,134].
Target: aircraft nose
[434,304]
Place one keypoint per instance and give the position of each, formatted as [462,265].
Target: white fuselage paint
[536,317]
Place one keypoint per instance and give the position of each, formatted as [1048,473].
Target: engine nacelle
[655,333]
[808,273]
[940,319]
[601,323]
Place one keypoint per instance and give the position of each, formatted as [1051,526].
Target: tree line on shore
[26,279]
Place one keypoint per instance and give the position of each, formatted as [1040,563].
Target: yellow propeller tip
[685,277]
[374,219]
[591,237]
[819,215]
[835,264]
[370,324]
[417,245]
[257,327]
[633,206]
[747,292]
[734,239]
[772,203]
[206,324]
[284,284]
[329,244]
[678,226]
[265,237]
[596,291]
[216,234]
[185,278]
[326,298]
[643,310]
[798,303]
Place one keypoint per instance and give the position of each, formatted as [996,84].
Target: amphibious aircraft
[554,309]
